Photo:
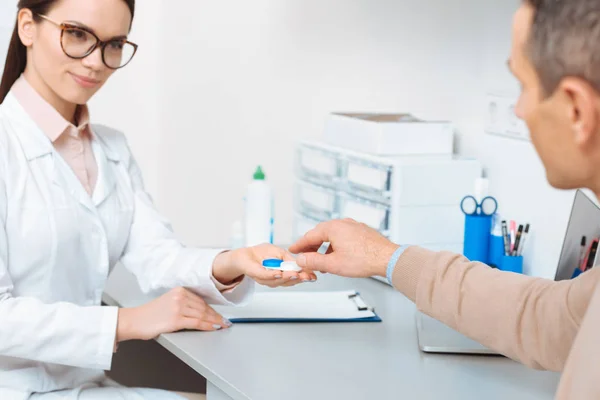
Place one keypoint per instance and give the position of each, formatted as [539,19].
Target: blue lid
[272,263]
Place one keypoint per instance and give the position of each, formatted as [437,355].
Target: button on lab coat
[58,246]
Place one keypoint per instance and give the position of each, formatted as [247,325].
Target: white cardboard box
[389,134]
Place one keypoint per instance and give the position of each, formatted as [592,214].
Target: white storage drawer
[368,179]
[318,165]
[318,201]
[375,215]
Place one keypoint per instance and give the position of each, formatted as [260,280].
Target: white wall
[8,12]
[241,82]
[246,80]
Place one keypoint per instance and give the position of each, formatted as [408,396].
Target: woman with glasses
[73,204]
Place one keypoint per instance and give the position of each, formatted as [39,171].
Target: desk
[358,361]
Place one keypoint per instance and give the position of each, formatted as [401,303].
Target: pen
[518,241]
[592,255]
[582,255]
[593,263]
[324,248]
[523,238]
[513,235]
[506,239]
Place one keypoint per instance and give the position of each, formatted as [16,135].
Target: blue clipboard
[302,307]
[376,318]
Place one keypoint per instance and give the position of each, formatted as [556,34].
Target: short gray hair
[565,41]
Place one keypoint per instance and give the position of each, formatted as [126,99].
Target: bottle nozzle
[259,175]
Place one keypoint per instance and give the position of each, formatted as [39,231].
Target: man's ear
[581,100]
[26,26]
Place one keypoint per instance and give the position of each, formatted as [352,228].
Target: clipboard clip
[360,304]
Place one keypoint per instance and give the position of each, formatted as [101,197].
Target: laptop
[435,337]
[584,221]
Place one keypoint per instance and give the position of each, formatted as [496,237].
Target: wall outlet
[501,118]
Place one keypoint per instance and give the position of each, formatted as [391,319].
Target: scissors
[470,206]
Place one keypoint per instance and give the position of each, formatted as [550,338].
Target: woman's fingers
[213,317]
[199,325]
[197,307]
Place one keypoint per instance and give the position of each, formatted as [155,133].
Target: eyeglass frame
[63,26]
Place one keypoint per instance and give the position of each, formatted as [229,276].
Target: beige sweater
[541,323]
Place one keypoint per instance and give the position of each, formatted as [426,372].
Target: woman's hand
[174,311]
[230,266]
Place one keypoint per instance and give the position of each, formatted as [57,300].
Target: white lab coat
[57,248]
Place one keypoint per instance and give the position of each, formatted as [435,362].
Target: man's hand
[355,250]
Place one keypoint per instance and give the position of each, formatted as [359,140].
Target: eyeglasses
[78,43]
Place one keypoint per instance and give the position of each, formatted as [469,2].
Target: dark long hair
[16,59]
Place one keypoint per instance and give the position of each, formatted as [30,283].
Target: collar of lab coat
[50,121]
[36,144]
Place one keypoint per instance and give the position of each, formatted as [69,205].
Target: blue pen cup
[477,237]
[496,251]
[512,264]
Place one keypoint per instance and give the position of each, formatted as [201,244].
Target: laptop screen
[584,221]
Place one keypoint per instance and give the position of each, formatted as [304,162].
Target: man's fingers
[316,262]
[307,243]
[298,248]
[313,239]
